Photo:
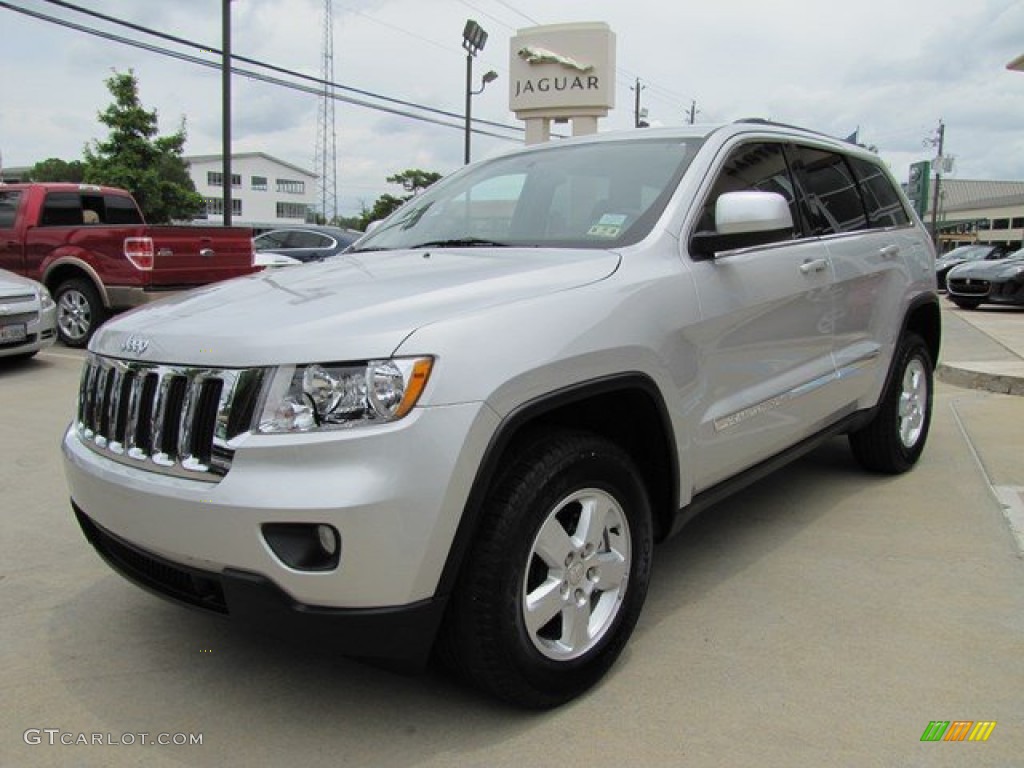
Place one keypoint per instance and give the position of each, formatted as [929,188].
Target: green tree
[412,180]
[135,158]
[55,169]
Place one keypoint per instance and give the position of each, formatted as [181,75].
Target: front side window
[601,194]
[758,166]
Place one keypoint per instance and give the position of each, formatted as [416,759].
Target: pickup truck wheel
[555,582]
[79,312]
[893,441]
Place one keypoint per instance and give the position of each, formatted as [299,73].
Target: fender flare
[83,266]
[513,423]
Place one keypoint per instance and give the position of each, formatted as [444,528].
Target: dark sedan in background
[963,254]
[301,244]
[988,282]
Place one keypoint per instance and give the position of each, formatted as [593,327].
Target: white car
[28,316]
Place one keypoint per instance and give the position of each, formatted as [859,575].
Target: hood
[988,270]
[350,307]
[12,285]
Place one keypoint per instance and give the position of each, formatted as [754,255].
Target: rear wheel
[79,311]
[554,584]
[893,441]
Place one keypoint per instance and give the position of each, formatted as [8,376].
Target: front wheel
[555,582]
[893,441]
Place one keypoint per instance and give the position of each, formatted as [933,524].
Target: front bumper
[404,633]
[394,493]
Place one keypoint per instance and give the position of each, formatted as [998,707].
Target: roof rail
[763,121]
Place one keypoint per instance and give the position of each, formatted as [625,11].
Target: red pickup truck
[90,246]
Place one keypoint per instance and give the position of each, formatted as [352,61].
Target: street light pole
[473,40]
[226,107]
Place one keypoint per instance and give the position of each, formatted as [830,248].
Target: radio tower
[325,155]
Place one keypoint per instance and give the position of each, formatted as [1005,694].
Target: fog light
[328,539]
[304,546]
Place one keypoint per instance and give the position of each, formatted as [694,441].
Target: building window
[292,210]
[259,183]
[1000,223]
[291,186]
[1017,223]
[215,206]
[216,179]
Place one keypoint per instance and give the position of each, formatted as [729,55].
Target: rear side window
[121,210]
[884,207]
[61,209]
[8,208]
[832,198]
[758,166]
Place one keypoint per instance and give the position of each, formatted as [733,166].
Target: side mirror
[745,219]
[373,225]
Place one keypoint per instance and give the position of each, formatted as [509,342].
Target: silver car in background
[28,316]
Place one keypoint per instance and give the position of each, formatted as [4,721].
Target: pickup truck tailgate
[186,256]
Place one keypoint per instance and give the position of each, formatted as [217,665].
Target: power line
[516,10]
[321,83]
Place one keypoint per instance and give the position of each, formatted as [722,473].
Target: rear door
[853,207]
[765,336]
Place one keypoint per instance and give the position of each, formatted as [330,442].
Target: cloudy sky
[890,68]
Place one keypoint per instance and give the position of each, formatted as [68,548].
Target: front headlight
[320,396]
[45,299]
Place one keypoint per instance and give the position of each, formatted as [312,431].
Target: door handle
[889,252]
[813,265]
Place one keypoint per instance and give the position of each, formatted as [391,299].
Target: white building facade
[265,192]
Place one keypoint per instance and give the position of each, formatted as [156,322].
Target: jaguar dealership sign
[563,72]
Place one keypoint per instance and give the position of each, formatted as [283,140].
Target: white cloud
[893,69]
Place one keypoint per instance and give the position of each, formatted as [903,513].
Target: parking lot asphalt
[822,617]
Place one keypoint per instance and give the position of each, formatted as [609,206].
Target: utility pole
[937,141]
[226,106]
[637,121]
[692,116]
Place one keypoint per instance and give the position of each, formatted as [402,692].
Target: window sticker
[609,225]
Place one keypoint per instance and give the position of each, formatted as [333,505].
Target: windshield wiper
[459,242]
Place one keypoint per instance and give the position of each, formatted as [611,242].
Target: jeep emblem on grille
[135,344]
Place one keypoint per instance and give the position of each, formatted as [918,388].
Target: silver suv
[466,434]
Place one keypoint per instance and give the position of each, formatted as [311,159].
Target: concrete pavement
[821,617]
[983,348]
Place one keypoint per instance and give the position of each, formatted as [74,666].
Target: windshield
[602,194]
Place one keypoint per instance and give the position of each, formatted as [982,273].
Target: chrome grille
[170,419]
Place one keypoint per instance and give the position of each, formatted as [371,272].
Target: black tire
[966,303]
[893,441]
[540,500]
[79,311]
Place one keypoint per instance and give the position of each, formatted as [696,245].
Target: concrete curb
[1005,378]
